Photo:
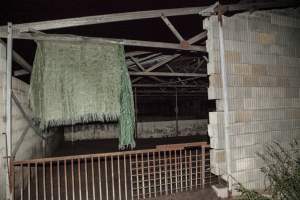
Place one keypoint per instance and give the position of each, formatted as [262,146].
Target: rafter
[99,40]
[164,86]
[167,74]
[157,66]
[107,18]
[19,59]
[172,28]
[197,37]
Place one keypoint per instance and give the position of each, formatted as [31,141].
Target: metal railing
[118,175]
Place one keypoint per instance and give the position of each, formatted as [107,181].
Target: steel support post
[226,106]
[8,110]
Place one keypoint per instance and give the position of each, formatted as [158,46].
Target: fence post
[203,165]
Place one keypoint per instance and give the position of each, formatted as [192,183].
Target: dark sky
[34,10]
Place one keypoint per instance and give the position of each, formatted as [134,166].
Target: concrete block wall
[155,129]
[32,144]
[262,54]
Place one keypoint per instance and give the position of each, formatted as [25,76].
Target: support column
[8,110]
[226,107]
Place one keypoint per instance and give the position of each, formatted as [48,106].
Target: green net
[79,83]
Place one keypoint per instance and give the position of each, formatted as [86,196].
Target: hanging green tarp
[82,82]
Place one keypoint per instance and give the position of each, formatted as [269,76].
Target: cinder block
[217,142]
[246,164]
[248,176]
[215,80]
[254,127]
[217,161]
[215,130]
[270,103]
[253,92]
[285,21]
[233,104]
[264,87]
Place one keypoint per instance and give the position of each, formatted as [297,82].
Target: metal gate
[124,175]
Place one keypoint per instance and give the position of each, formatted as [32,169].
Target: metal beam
[8,110]
[20,140]
[167,74]
[137,63]
[19,59]
[190,41]
[202,91]
[100,19]
[146,59]
[118,17]
[136,53]
[162,63]
[197,37]
[20,72]
[178,78]
[27,118]
[157,66]
[143,69]
[171,95]
[172,28]
[99,40]
[199,63]
[165,86]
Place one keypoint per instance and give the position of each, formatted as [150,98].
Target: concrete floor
[204,194]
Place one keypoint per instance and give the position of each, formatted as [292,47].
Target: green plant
[282,171]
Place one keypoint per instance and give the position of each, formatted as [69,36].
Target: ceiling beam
[157,66]
[145,60]
[178,78]
[138,15]
[107,18]
[167,74]
[201,90]
[136,53]
[99,40]
[164,86]
[197,37]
